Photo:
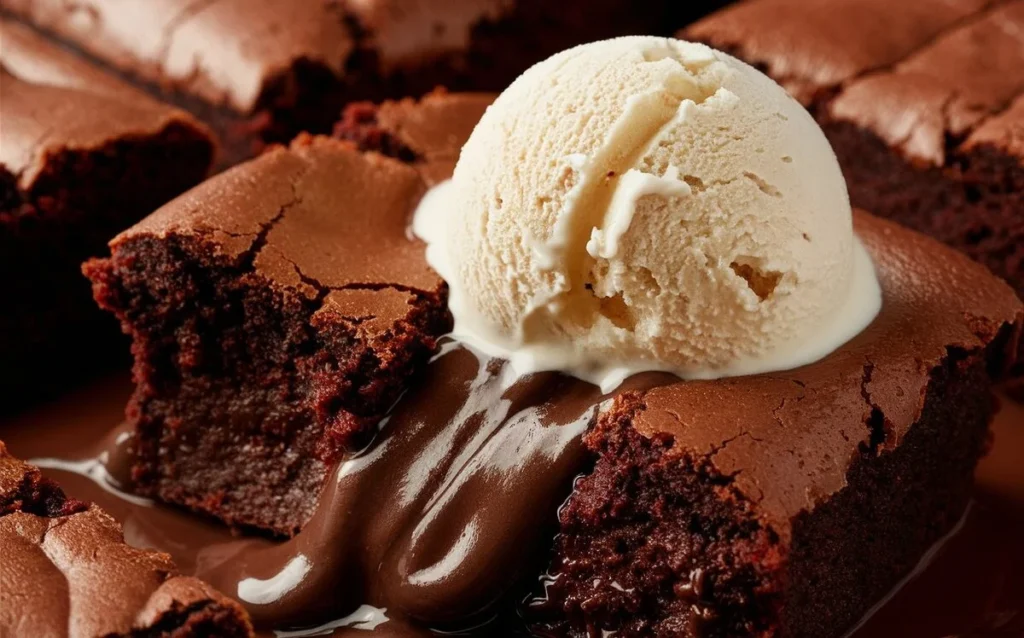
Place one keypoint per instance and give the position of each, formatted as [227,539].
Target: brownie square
[788,504]
[813,47]
[763,505]
[709,499]
[66,570]
[276,311]
[82,156]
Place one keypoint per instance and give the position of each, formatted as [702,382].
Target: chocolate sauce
[454,502]
[471,462]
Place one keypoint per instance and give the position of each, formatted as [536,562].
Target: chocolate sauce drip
[441,514]
[455,501]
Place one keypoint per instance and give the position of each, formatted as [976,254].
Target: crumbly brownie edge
[182,607]
[278,394]
[359,124]
[654,542]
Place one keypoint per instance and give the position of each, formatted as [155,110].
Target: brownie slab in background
[920,100]
[66,570]
[277,311]
[788,504]
[82,156]
[813,47]
[264,70]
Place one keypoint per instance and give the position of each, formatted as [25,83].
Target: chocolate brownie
[82,156]
[277,311]
[916,98]
[283,67]
[788,504]
[66,570]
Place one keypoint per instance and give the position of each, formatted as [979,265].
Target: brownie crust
[265,70]
[944,90]
[811,47]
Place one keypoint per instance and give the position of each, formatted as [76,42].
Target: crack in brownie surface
[264,70]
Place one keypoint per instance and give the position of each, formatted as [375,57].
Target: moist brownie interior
[82,156]
[66,570]
[277,312]
[922,101]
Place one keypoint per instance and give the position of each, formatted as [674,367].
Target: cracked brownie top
[232,51]
[298,214]
[839,39]
[787,438]
[944,90]
[224,50]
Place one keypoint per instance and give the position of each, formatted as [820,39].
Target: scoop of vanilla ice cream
[649,203]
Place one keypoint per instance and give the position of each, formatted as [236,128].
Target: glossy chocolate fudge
[920,101]
[66,571]
[82,157]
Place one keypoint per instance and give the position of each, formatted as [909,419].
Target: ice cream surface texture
[647,203]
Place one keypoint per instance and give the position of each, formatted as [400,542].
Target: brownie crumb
[655,542]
